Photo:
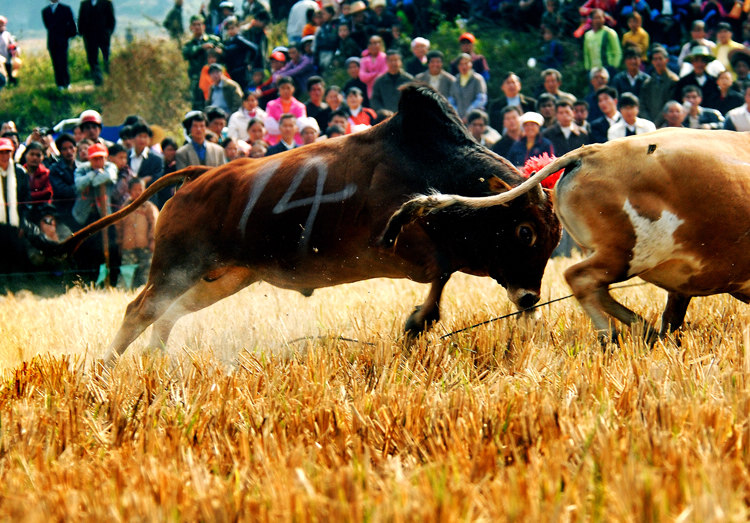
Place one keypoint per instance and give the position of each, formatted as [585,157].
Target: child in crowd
[82,151]
[118,155]
[135,235]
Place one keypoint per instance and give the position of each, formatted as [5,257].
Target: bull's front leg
[425,315]
[674,313]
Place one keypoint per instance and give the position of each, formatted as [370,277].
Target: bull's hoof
[417,323]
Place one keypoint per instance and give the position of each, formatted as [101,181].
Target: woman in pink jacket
[373,63]
[285,103]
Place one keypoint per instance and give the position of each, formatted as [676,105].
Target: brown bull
[672,207]
[315,216]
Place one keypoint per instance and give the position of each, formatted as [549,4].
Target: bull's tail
[73,242]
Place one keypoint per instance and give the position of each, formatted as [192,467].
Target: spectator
[598,78]
[82,151]
[258,149]
[551,82]
[341,119]
[546,106]
[346,47]
[477,124]
[673,114]
[511,88]
[657,90]
[62,179]
[239,54]
[118,155]
[39,184]
[469,90]
[630,124]
[90,178]
[269,90]
[198,150]
[601,46]
[15,190]
[61,27]
[532,144]
[418,62]
[315,106]
[632,78]
[738,119]
[385,92]
[288,130]
[728,97]
[256,33]
[146,164]
[581,115]
[309,130]
[169,152]
[195,51]
[697,37]
[552,49]
[636,36]
[297,19]
[606,97]
[91,126]
[256,130]
[238,121]
[286,103]
[724,45]
[313,19]
[231,149]
[217,123]
[334,131]
[300,66]
[382,20]
[96,23]
[565,135]
[135,235]
[326,39]
[358,115]
[173,22]
[373,63]
[8,50]
[359,25]
[334,101]
[478,63]
[435,76]
[740,60]
[699,117]
[512,132]
[352,69]
[699,57]
[226,94]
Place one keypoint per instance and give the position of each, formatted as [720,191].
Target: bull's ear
[498,185]
[409,213]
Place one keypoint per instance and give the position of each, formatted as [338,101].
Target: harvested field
[515,420]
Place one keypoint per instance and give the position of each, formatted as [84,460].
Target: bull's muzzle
[523,298]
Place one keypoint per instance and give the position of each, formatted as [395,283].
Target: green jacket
[196,56]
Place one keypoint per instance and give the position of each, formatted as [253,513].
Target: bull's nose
[528,299]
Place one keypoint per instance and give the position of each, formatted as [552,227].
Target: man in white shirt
[145,163]
[629,124]
[738,119]
[606,98]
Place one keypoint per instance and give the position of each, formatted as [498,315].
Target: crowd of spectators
[675,64]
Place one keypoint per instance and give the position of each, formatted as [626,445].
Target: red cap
[467,36]
[278,56]
[98,150]
[6,144]
[91,116]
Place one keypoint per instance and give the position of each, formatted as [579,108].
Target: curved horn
[411,211]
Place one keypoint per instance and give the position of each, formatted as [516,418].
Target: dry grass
[510,421]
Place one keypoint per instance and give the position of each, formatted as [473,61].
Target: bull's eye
[525,234]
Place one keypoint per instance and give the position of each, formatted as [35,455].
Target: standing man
[601,45]
[565,134]
[469,90]
[198,150]
[96,23]
[385,93]
[658,89]
[145,163]
[435,76]
[606,98]
[173,22]
[61,27]
[195,52]
[511,88]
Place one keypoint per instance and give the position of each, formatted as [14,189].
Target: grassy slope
[512,421]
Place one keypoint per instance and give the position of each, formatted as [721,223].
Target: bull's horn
[411,211]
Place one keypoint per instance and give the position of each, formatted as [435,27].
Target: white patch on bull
[654,240]
[260,182]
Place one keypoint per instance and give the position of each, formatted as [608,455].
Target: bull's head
[511,241]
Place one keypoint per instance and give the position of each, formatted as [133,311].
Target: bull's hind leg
[214,287]
[590,280]
[674,313]
[429,312]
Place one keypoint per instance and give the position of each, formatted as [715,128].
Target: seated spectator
[315,106]
[511,88]
[385,90]
[601,45]
[469,90]
[738,119]
[62,179]
[659,88]
[286,103]
[225,92]
[288,130]
[237,125]
[326,39]
[334,102]
[700,56]
[217,123]
[565,135]
[546,106]
[551,82]
[673,114]
[382,20]
[728,97]
[82,151]
[479,129]
[632,78]
[198,150]
[532,144]
[359,22]
[340,118]
[435,76]
[606,97]
[231,149]
[358,115]
[297,19]
[300,66]
[269,90]
[346,46]
[352,69]
[598,78]
[256,130]
[418,62]
[630,124]
[135,236]
[478,62]
[740,60]
[313,19]
[724,45]
[309,130]
[512,132]
[581,115]
[697,37]
[699,117]
[258,149]
[373,63]
[636,36]
[334,131]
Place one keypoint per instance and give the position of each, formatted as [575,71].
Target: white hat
[531,116]
[306,122]
[420,40]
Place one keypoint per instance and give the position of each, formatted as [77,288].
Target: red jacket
[41,188]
